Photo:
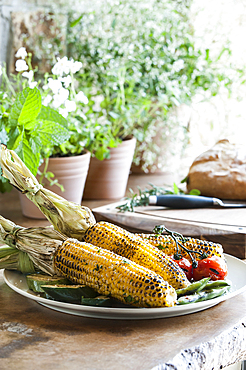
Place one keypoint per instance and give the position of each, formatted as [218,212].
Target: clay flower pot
[107,179]
[70,172]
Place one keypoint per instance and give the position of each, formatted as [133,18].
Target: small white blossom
[60,97]
[21,53]
[66,80]
[61,67]
[29,76]
[20,65]
[82,98]
[63,112]
[32,84]
[70,106]
[47,100]
[178,65]
[75,66]
[54,85]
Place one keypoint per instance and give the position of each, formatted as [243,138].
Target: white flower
[75,66]
[60,97]
[98,99]
[178,65]
[20,65]
[29,76]
[47,100]
[66,80]
[70,106]
[54,85]
[82,98]
[63,112]
[32,84]
[61,67]
[21,53]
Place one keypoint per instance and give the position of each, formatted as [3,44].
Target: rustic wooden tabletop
[30,333]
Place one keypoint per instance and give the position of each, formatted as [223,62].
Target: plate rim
[133,313]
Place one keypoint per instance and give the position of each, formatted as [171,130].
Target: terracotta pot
[107,179]
[70,172]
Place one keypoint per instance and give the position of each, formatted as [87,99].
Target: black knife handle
[184,201]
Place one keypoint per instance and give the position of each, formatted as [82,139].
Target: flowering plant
[26,125]
[60,91]
[141,62]
[45,117]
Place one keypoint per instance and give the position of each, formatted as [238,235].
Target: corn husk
[13,259]
[67,217]
[38,243]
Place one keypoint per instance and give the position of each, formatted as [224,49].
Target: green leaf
[49,114]
[14,138]
[25,108]
[30,158]
[195,192]
[175,188]
[114,115]
[3,136]
[72,24]
[50,133]
[4,185]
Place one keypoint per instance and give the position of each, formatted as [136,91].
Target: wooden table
[32,334]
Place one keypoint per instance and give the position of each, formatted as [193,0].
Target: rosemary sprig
[142,198]
[161,229]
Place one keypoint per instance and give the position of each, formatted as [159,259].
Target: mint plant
[29,127]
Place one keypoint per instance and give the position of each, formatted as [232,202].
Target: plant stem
[161,229]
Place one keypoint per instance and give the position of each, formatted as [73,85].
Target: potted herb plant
[34,130]
[111,159]
[141,64]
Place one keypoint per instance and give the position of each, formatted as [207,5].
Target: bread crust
[220,172]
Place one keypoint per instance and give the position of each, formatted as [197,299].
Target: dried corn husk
[39,243]
[67,217]
[13,259]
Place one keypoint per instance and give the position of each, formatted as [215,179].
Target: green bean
[195,287]
[185,299]
[202,295]
[213,293]
[216,284]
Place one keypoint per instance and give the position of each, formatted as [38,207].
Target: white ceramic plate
[236,274]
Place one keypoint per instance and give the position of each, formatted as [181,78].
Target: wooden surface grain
[29,332]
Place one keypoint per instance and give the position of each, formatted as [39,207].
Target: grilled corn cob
[83,263]
[112,275]
[126,244]
[167,245]
[67,217]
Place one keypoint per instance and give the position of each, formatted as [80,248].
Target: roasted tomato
[213,267]
[185,265]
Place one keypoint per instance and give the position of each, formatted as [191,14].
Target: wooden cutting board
[222,225]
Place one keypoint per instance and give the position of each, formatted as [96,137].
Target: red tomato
[213,267]
[185,265]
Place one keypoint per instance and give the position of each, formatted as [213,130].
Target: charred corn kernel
[126,244]
[166,244]
[112,275]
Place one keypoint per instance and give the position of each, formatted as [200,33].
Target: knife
[181,201]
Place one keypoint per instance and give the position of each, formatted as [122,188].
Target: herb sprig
[142,198]
[179,240]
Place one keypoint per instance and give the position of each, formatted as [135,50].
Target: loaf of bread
[220,172]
